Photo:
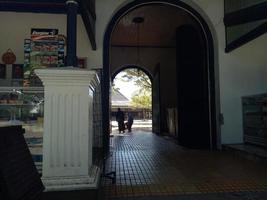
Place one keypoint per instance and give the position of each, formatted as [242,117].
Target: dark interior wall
[193,102]
[168,90]
[150,57]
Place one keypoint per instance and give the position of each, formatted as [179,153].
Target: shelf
[29,89]
[44,53]
[44,41]
[253,127]
[254,119]
[40,52]
[8,104]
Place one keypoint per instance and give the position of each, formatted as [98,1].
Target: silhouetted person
[120,120]
[129,122]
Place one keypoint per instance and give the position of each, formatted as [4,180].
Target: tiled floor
[149,165]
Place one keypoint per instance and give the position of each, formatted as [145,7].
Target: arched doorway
[210,136]
[132,94]
[120,69]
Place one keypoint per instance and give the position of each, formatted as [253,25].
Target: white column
[68,129]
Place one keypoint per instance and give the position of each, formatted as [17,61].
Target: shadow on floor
[149,166]
[224,196]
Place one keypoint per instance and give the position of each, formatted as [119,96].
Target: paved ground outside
[145,125]
[153,167]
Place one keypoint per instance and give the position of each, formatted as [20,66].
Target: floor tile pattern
[149,165]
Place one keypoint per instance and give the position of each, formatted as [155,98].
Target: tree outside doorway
[131,91]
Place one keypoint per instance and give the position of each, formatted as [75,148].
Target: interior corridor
[150,165]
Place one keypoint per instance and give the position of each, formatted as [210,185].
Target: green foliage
[139,77]
[142,100]
[142,97]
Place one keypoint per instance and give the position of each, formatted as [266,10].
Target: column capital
[67,76]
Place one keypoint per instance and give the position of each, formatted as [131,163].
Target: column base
[92,194]
[72,183]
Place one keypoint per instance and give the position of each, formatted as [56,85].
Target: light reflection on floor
[149,165]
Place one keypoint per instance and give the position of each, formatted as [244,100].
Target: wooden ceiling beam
[86,9]
[55,7]
[89,18]
[246,15]
[251,35]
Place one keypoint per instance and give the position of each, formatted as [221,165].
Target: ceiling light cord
[138,45]
[137,21]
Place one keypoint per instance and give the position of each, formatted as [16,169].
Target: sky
[126,88]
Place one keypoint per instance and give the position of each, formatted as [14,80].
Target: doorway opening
[175,44]
[132,95]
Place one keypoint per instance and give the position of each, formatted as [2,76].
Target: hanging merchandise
[9,57]
[2,71]
[47,48]
[44,49]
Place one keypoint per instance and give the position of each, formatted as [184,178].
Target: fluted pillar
[68,128]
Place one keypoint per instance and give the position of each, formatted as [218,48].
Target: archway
[131,93]
[208,57]
[130,66]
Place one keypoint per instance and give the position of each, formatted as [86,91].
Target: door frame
[214,105]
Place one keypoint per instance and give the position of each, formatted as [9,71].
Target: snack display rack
[44,49]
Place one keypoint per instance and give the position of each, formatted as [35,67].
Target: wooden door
[192,86]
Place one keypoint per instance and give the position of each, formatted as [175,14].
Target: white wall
[238,73]
[242,72]
[15,27]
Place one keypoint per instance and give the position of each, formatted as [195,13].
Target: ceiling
[157,30]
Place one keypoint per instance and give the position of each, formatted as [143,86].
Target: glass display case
[25,106]
[255,119]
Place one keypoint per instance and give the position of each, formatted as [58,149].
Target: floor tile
[149,165]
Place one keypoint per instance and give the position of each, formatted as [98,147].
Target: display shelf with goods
[45,49]
[255,119]
[48,53]
[25,106]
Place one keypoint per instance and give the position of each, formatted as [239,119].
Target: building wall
[241,72]
[15,27]
[238,73]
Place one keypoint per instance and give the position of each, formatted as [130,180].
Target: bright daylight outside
[131,94]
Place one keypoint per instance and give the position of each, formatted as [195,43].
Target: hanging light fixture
[138,21]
